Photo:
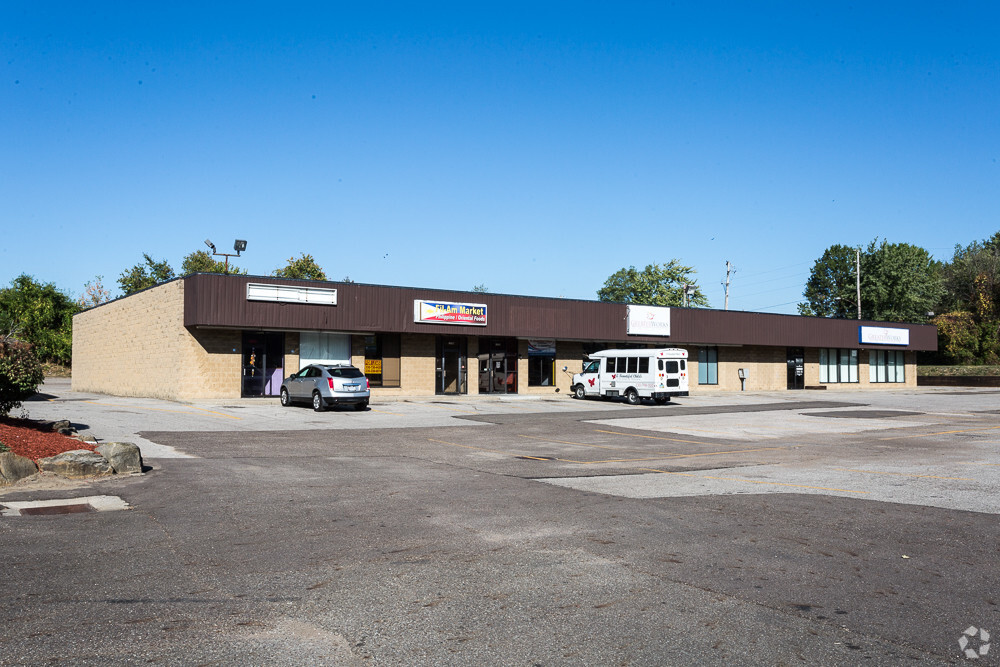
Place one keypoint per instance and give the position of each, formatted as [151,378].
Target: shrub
[20,374]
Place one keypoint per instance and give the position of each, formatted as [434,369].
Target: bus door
[591,377]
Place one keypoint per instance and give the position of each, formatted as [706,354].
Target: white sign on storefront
[884,336]
[647,321]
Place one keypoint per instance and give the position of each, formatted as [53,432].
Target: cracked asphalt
[819,528]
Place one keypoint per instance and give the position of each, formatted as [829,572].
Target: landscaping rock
[63,426]
[87,438]
[76,464]
[14,468]
[124,457]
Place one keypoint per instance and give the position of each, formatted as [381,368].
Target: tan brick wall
[417,370]
[136,346]
[765,367]
[568,354]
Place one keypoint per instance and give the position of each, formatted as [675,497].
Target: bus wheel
[578,391]
[632,397]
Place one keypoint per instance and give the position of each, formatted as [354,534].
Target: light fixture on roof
[239,246]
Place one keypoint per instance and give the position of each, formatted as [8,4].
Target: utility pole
[729,269]
[857,272]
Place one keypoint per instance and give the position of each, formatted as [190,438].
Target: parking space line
[756,481]
[383,412]
[448,407]
[567,442]
[686,456]
[925,435]
[179,412]
[498,451]
[903,474]
[658,437]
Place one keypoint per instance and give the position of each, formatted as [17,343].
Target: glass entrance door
[263,363]
[796,368]
[451,371]
[497,365]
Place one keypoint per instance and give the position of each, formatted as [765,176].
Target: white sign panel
[647,321]
[291,294]
[884,336]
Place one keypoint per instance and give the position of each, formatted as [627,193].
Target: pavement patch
[63,506]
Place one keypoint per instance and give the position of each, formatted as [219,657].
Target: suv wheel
[317,402]
[285,399]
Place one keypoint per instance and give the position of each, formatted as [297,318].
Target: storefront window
[886,366]
[541,363]
[838,365]
[382,360]
[708,365]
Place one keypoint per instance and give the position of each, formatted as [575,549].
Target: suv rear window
[345,372]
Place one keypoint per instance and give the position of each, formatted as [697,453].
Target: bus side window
[643,364]
[622,364]
[610,366]
[633,365]
[672,367]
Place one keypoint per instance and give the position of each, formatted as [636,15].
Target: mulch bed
[27,438]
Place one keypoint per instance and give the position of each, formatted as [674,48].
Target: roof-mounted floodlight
[239,247]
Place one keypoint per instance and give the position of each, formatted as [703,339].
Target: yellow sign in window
[373,366]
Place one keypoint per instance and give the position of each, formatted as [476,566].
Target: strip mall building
[215,336]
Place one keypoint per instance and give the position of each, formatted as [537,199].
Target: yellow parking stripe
[448,407]
[497,451]
[685,456]
[755,481]
[925,435]
[658,437]
[567,442]
[903,474]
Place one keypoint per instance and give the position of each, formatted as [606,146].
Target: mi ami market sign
[446,312]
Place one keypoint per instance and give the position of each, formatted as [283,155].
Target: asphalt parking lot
[781,528]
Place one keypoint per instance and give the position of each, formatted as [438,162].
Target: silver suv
[324,385]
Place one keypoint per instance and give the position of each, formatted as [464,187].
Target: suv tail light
[368,385]
[330,380]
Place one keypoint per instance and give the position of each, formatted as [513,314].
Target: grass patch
[960,371]
[3,447]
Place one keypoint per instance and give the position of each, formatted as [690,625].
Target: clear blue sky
[535,147]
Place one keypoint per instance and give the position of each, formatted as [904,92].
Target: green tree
[980,260]
[831,288]
[899,283]
[41,316]
[481,288]
[146,274]
[20,373]
[656,285]
[304,268]
[200,261]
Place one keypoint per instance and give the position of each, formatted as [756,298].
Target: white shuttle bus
[634,375]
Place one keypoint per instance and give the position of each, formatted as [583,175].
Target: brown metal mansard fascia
[217,301]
